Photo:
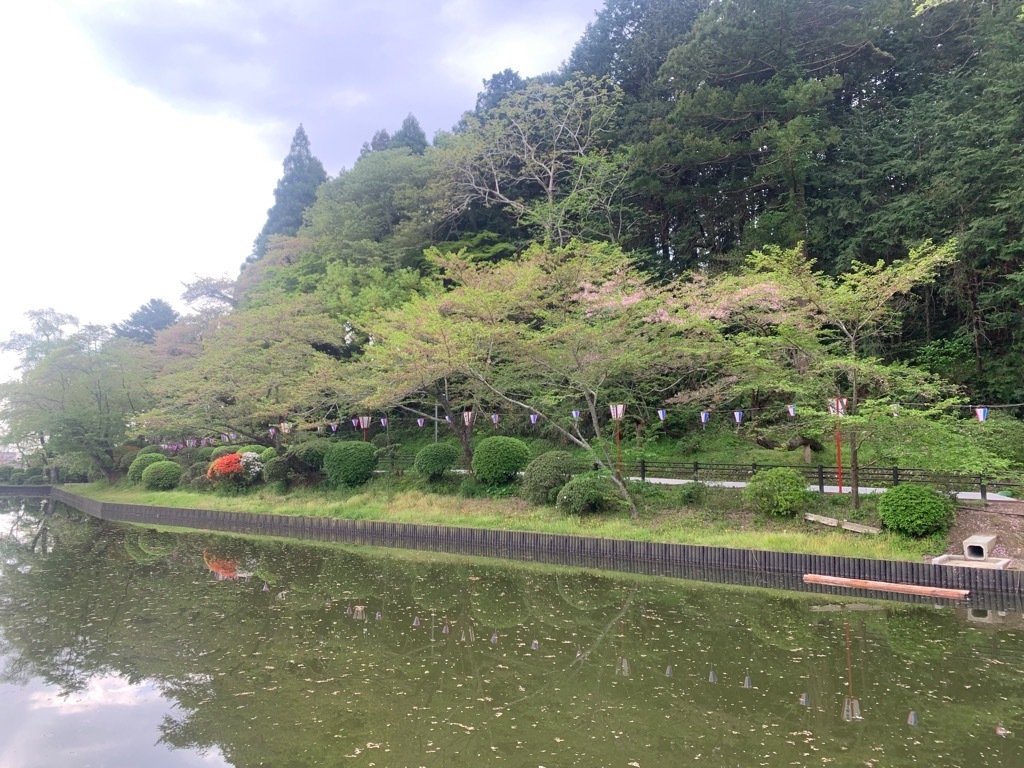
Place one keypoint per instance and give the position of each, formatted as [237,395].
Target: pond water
[126,647]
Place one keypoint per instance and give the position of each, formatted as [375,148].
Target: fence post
[983,487]
[895,476]
[643,470]
[821,479]
[696,469]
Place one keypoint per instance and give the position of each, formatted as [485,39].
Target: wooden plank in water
[886,586]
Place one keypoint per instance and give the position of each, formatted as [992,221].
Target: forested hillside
[737,205]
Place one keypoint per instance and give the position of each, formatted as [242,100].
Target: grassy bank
[718,520]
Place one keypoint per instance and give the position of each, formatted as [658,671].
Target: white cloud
[110,196]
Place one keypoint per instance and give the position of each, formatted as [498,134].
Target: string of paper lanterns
[836,406]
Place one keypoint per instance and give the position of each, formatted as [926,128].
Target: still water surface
[125,647]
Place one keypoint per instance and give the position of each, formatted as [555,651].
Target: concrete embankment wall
[990,589]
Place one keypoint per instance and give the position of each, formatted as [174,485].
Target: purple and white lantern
[791,409]
[467,418]
[981,414]
[662,413]
[420,422]
[534,417]
[617,411]
[494,419]
[738,415]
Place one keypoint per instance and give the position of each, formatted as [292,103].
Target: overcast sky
[142,139]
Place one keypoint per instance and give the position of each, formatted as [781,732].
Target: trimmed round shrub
[143,460]
[275,468]
[349,463]
[497,460]
[436,459]
[257,449]
[5,472]
[221,450]
[309,454]
[585,494]
[34,477]
[195,469]
[17,477]
[149,449]
[268,454]
[203,454]
[130,454]
[779,492]
[545,476]
[915,510]
[161,476]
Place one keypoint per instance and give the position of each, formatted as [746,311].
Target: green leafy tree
[559,330]
[410,136]
[525,156]
[76,397]
[851,311]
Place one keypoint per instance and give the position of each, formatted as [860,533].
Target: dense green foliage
[161,476]
[141,462]
[349,463]
[710,206]
[435,459]
[915,510]
[498,460]
[587,493]
[275,469]
[545,476]
[779,492]
[308,456]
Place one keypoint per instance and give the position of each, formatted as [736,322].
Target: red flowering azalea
[226,467]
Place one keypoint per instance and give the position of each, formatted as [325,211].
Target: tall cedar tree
[295,192]
[143,323]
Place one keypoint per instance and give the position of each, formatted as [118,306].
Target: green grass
[716,521]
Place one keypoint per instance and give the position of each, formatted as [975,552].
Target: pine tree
[295,192]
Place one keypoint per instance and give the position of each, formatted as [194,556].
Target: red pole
[839,456]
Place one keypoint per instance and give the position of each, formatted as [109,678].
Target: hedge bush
[17,477]
[161,476]
[203,454]
[436,459]
[149,449]
[143,460]
[275,468]
[779,492]
[349,463]
[497,460]
[221,450]
[268,454]
[309,454]
[257,449]
[587,493]
[545,476]
[915,510]
[5,472]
